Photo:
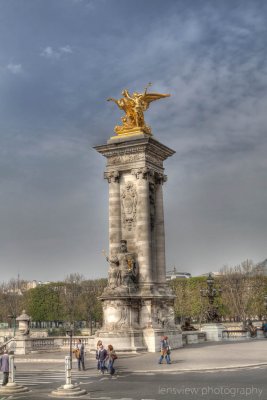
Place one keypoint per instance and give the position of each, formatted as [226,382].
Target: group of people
[105,357]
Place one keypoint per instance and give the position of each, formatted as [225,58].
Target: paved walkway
[199,357]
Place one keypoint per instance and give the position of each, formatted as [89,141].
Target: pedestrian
[4,367]
[111,357]
[264,328]
[165,350]
[79,353]
[97,354]
[101,356]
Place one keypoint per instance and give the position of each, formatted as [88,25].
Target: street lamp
[69,332]
[211,292]
[13,317]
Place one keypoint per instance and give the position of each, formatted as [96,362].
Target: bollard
[68,390]
[11,378]
[68,384]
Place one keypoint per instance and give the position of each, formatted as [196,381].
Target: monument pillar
[138,304]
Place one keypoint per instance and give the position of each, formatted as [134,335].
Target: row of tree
[74,299]
[243,289]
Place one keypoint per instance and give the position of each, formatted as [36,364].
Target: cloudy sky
[61,59]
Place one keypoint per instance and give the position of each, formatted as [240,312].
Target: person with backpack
[79,353]
[111,357]
[165,350]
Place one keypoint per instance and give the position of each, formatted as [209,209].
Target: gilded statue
[134,107]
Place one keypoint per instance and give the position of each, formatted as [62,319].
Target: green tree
[44,303]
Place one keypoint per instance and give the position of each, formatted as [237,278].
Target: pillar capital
[112,176]
[142,173]
[160,178]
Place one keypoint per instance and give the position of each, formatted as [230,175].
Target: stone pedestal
[213,331]
[68,391]
[23,345]
[138,303]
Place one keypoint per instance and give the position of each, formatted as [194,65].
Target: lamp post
[69,332]
[211,292]
[13,317]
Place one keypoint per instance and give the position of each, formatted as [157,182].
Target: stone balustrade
[193,337]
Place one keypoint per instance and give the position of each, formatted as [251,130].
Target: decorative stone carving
[160,178]
[115,315]
[123,272]
[125,158]
[165,315]
[129,203]
[112,176]
[155,159]
[142,173]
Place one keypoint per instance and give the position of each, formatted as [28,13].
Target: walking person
[4,367]
[111,357]
[99,343]
[80,355]
[264,328]
[165,350]
[101,357]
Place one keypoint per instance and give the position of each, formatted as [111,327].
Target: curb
[167,370]
[229,367]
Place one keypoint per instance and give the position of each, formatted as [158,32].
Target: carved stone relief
[165,315]
[125,158]
[115,315]
[129,204]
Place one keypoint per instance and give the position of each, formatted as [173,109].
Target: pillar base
[130,340]
[213,331]
[152,337]
[13,388]
[70,391]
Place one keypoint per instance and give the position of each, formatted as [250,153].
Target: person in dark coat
[101,356]
[80,358]
[4,367]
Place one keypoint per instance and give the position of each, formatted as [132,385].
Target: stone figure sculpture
[134,107]
[123,272]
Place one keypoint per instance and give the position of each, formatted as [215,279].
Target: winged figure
[134,107]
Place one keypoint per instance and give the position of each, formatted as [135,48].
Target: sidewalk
[199,357]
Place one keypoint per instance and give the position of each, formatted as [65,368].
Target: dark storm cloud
[58,64]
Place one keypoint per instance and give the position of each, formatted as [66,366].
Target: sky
[59,62]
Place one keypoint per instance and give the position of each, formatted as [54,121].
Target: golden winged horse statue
[134,107]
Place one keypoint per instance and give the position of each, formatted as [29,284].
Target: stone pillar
[160,232]
[137,310]
[113,178]
[143,227]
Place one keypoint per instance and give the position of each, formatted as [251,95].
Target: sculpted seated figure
[123,269]
[251,329]
[187,326]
